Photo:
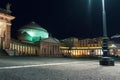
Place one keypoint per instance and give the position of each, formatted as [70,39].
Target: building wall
[87,47]
[23,48]
[5,30]
[41,49]
[49,49]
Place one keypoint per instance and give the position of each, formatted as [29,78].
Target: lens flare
[89,4]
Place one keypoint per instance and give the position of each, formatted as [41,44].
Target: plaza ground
[39,68]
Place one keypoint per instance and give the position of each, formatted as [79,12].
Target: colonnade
[49,49]
[24,49]
[87,52]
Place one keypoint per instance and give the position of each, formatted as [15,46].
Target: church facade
[33,39]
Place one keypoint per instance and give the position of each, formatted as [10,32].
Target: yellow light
[1,24]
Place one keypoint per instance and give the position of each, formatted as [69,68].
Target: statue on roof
[8,7]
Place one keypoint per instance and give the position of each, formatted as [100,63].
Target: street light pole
[105,38]
[105,60]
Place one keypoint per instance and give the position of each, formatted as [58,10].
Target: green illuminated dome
[32,33]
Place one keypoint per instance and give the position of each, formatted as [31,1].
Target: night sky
[66,18]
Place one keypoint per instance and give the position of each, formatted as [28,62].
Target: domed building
[32,33]
[32,39]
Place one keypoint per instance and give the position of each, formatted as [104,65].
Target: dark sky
[66,18]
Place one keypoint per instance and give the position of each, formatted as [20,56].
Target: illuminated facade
[5,28]
[32,40]
[85,47]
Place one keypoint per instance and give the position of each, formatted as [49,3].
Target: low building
[85,47]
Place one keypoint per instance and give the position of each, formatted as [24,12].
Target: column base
[107,61]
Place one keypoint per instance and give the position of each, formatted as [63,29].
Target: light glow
[36,65]
[89,5]
[34,32]
[1,24]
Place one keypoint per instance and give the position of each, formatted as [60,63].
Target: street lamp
[105,60]
[105,38]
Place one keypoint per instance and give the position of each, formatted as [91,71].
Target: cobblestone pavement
[36,68]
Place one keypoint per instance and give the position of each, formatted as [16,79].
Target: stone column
[7,36]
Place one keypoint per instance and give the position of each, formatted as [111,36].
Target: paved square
[37,68]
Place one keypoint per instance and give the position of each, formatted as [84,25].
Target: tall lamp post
[105,60]
[105,38]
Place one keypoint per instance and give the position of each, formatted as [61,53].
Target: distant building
[32,39]
[85,47]
[116,41]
